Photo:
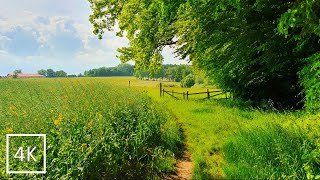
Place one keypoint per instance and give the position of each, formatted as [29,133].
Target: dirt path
[183,168]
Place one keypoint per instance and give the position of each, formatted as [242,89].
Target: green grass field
[228,139]
[99,127]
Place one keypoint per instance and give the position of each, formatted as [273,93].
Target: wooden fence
[187,94]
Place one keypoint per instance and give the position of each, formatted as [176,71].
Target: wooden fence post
[187,95]
[162,92]
[208,93]
[160,89]
[129,84]
[184,95]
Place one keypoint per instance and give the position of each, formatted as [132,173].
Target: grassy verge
[270,152]
[229,142]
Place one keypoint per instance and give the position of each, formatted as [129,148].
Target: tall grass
[270,152]
[229,140]
[94,129]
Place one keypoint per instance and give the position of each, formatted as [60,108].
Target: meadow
[229,139]
[100,128]
[94,129]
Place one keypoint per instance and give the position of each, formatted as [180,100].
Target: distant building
[22,75]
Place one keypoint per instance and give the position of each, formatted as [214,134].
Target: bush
[199,79]
[188,81]
[310,80]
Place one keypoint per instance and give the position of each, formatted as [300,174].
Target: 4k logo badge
[26,154]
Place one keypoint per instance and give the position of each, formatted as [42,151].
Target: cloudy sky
[42,34]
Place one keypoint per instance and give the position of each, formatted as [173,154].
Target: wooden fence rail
[186,95]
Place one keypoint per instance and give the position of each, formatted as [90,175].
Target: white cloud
[3,54]
[55,34]
[4,40]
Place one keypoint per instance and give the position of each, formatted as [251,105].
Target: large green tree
[260,49]
[51,73]
[61,73]
[42,72]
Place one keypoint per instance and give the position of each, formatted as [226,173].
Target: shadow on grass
[249,106]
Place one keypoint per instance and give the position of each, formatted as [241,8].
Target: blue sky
[42,34]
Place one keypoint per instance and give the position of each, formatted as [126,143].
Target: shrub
[310,80]
[188,81]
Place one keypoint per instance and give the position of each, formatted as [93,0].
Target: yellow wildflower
[89,124]
[84,146]
[100,116]
[9,130]
[12,107]
[13,110]
[24,113]
[58,120]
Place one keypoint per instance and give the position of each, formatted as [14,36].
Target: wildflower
[84,146]
[9,130]
[58,120]
[100,116]
[89,124]
[12,107]
[13,110]
[23,113]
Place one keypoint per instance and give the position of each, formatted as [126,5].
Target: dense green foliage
[90,133]
[120,70]
[167,71]
[17,71]
[52,73]
[188,81]
[256,48]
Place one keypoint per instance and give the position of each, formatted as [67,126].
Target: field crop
[95,129]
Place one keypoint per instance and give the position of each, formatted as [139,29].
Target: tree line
[120,70]
[167,71]
[52,73]
[170,72]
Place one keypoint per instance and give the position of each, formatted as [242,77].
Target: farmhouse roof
[26,75]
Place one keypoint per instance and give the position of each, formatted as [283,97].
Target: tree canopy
[120,70]
[260,49]
[170,72]
[52,73]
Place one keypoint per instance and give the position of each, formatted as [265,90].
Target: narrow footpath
[183,168]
